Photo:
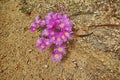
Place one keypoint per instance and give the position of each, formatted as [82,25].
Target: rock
[30,50]
[46,66]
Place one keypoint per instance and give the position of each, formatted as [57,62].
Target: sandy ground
[93,57]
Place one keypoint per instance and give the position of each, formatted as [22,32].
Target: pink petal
[42,23]
[32,29]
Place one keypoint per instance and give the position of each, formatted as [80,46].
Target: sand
[92,57]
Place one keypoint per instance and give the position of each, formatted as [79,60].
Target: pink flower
[49,16]
[52,32]
[57,31]
[33,27]
[69,29]
[49,20]
[50,25]
[60,49]
[37,19]
[48,32]
[45,32]
[52,39]
[57,16]
[40,44]
[42,23]
[43,44]
[47,43]
[58,39]
[68,34]
[65,16]
[35,24]
[63,9]
[56,57]
[62,36]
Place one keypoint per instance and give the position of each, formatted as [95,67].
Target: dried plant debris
[81,29]
[26,8]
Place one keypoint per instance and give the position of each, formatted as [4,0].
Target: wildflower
[39,42]
[37,19]
[33,27]
[63,9]
[58,39]
[45,32]
[43,44]
[56,57]
[58,30]
[62,26]
[68,34]
[51,32]
[34,24]
[60,49]
[48,32]
[49,15]
[49,20]
[65,16]
[49,25]
[57,16]
[42,23]
[47,43]
[68,28]
[62,36]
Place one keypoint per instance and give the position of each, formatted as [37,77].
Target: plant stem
[103,25]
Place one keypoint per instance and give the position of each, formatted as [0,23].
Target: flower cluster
[57,30]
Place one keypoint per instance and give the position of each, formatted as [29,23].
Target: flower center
[33,29]
[58,39]
[56,56]
[53,38]
[46,33]
[63,36]
[61,25]
[42,46]
[47,43]
[67,34]
[52,33]
[60,49]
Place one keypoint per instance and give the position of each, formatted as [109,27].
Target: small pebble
[81,68]
[30,50]
[73,60]
[74,65]
[46,66]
